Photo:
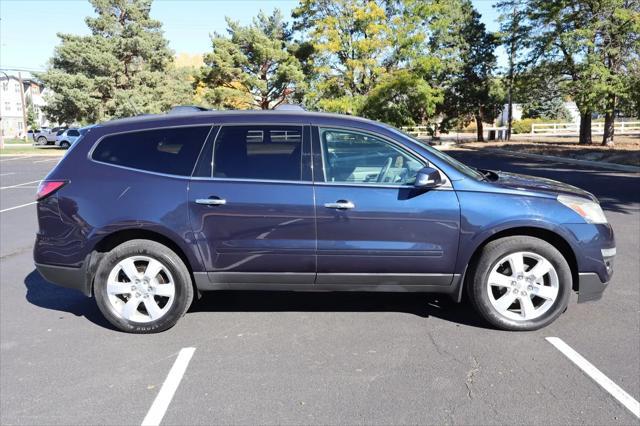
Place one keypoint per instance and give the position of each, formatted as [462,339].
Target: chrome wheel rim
[140,289]
[522,286]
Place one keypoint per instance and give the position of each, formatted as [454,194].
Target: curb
[600,165]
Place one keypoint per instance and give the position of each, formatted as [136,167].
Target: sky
[28,28]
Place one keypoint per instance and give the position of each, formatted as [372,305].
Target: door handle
[211,201]
[340,204]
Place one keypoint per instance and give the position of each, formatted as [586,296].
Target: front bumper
[590,288]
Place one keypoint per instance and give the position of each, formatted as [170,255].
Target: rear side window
[258,152]
[171,151]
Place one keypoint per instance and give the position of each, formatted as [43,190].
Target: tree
[253,67]
[122,68]
[513,36]
[589,42]
[353,48]
[402,99]
[541,94]
[32,119]
[471,91]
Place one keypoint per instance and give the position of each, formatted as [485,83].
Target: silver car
[70,136]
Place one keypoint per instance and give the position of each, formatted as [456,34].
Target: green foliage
[32,119]
[254,67]
[403,99]
[122,68]
[524,125]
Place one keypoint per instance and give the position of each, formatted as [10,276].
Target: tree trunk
[480,130]
[609,118]
[585,128]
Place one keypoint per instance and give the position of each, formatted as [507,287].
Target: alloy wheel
[140,289]
[523,286]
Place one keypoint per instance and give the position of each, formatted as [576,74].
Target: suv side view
[143,213]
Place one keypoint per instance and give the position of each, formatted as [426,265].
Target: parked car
[70,136]
[142,213]
[31,133]
[47,136]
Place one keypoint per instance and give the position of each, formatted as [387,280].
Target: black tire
[478,275]
[42,140]
[65,145]
[181,277]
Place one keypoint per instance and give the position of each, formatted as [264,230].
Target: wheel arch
[114,239]
[553,238]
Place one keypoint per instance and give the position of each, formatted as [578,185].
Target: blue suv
[143,213]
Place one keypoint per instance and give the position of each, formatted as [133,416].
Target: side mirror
[428,178]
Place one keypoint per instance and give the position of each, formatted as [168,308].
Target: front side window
[258,152]
[172,151]
[361,158]
[73,133]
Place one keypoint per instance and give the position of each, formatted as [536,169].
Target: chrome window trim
[245,180]
[425,162]
[101,138]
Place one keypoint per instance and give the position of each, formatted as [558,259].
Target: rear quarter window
[171,151]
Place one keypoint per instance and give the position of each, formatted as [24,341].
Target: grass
[20,141]
[28,149]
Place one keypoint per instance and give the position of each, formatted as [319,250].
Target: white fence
[418,131]
[557,129]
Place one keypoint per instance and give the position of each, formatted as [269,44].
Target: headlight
[590,211]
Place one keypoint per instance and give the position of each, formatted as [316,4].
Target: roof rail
[290,107]
[186,109]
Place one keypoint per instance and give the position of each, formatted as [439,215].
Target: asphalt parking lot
[315,358]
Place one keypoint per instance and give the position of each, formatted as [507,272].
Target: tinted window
[73,133]
[258,152]
[171,151]
[354,157]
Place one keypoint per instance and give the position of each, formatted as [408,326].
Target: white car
[70,136]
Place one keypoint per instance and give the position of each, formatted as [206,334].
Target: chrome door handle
[211,201]
[340,205]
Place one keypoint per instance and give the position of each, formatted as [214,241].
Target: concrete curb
[600,165]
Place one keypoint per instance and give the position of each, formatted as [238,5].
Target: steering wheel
[385,170]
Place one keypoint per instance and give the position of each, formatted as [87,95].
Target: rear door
[374,228]
[251,207]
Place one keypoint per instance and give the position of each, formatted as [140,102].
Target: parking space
[314,358]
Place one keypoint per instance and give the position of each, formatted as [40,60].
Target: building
[571,107]
[11,113]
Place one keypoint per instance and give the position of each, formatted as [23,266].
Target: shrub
[524,125]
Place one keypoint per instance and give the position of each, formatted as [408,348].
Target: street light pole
[24,107]
[1,129]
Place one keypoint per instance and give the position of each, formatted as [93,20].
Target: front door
[374,228]
[252,209]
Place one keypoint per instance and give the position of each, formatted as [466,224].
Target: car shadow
[42,293]
[49,296]
[419,304]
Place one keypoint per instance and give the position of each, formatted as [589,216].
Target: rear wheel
[42,140]
[520,283]
[142,286]
[65,145]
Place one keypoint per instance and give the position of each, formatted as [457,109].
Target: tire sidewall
[182,282]
[497,250]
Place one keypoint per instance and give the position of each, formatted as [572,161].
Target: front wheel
[65,145]
[520,283]
[42,140]
[142,286]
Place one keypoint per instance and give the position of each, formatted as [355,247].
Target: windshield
[462,168]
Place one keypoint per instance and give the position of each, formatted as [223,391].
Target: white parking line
[48,159]
[20,184]
[17,207]
[161,403]
[598,376]
[14,158]
[7,174]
